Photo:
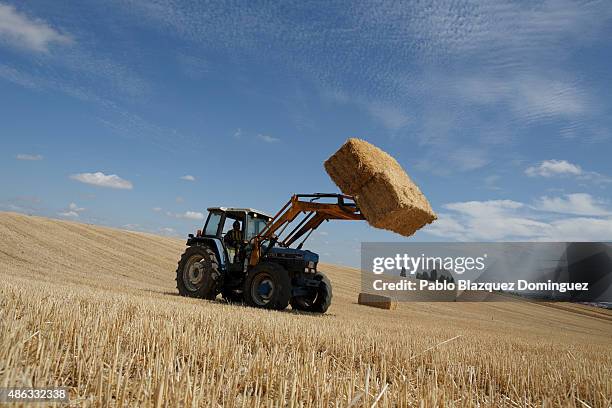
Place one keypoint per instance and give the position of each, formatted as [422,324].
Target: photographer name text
[466,284]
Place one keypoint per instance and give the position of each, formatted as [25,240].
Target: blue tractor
[263,269]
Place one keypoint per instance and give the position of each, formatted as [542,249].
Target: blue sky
[140,114]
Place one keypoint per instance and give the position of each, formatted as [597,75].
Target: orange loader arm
[314,213]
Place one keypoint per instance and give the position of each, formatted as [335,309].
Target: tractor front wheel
[267,286]
[319,300]
[197,273]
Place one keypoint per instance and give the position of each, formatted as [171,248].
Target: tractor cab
[220,221]
[218,225]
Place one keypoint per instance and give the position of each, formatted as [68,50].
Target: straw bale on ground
[379,301]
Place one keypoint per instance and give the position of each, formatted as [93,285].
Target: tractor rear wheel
[197,273]
[268,286]
[319,301]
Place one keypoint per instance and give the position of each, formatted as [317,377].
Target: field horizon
[95,309]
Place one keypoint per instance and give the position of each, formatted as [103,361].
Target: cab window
[212,225]
[255,225]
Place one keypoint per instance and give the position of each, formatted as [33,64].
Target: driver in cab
[233,239]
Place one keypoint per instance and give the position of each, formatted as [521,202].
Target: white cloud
[73,211]
[102,180]
[71,214]
[486,220]
[447,227]
[187,215]
[157,209]
[74,207]
[578,204]
[581,229]
[492,220]
[268,138]
[563,168]
[188,177]
[499,220]
[193,215]
[167,231]
[237,133]
[550,168]
[32,157]
[18,30]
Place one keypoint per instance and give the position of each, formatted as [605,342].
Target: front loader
[270,269]
[265,269]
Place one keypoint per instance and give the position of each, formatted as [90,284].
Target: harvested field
[386,195]
[95,309]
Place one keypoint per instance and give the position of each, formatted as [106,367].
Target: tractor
[269,269]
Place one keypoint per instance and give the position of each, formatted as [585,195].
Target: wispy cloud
[267,138]
[391,117]
[23,204]
[86,70]
[17,77]
[490,182]
[193,66]
[77,71]
[529,96]
[577,204]
[444,161]
[433,72]
[20,31]
[102,180]
[29,157]
[188,177]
